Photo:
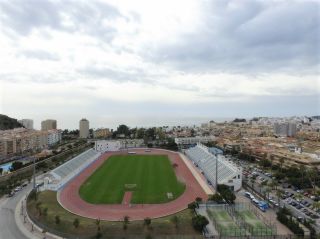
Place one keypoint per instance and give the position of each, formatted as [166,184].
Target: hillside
[8,123]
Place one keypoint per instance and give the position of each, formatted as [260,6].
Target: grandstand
[228,173]
[59,176]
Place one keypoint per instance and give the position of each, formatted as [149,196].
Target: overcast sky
[158,62]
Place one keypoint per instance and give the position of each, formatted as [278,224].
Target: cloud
[141,57]
[94,18]
[39,54]
[248,37]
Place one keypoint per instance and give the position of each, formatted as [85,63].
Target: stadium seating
[228,173]
[68,170]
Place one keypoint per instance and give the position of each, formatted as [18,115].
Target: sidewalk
[26,226]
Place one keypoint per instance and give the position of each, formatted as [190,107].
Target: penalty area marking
[169,195]
[130,186]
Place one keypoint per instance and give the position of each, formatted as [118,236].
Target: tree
[198,199]
[125,222]
[123,129]
[57,219]
[147,222]
[199,222]
[312,174]
[268,190]
[216,198]
[45,211]
[299,197]
[16,165]
[38,207]
[140,133]
[316,205]
[76,223]
[226,193]
[281,161]
[302,172]
[252,181]
[192,205]
[175,220]
[279,194]
[98,223]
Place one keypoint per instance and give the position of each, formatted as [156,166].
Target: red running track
[70,199]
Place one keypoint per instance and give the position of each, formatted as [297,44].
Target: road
[8,226]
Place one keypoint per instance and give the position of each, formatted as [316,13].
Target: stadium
[109,183]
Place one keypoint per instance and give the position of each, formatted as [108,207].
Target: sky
[146,62]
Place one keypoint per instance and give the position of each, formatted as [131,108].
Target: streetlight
[34,172]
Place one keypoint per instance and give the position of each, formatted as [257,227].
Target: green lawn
[150,176]
[109,230]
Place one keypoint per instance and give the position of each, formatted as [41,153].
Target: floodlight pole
[34,172]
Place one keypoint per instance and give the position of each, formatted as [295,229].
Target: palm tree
[98,223]
[147,222]
[281,161]
[268,190]
[274,184]
[312,174]
[263,184]
[279,194]
[252,181]
[76,222]
[316,206]
[302,169]
[299,197]
[125,222]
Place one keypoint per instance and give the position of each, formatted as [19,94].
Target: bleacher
[228,173]
[62,174]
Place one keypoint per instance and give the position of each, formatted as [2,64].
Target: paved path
[69,196]
[126,198]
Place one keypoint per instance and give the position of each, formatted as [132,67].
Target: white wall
[107,145]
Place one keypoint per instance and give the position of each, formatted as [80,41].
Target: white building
[84,128]
[285,129]
[54,136]
[107,145]
[194,140]
[27,123]
[215,167]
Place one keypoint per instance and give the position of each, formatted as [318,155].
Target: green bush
[199,222]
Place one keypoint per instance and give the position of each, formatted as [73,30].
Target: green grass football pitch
[149,177]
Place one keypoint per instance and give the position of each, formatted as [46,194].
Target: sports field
[150,178]
[225,224]
[258,227]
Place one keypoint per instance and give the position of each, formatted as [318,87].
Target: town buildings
[101,133]
[21,140]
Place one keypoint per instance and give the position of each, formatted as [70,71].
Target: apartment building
[54,136]
[48,124]
[285,129]
[21,140]
[102,133]
[27,123]
[84,128]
